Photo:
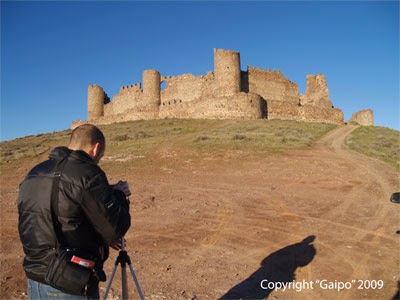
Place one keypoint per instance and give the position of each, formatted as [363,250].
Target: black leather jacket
[91,213]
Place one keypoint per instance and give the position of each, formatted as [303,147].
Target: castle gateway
[226,93]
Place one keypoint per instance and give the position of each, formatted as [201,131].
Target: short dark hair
[87,135]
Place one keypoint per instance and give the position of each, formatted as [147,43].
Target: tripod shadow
[276,267]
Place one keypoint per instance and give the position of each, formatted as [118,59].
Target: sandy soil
[220,226]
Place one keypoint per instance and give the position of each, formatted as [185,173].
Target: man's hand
[122,186]
[117,244]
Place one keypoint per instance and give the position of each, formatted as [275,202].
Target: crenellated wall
[226,92]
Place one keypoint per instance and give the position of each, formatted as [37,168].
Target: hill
[139,138]
[219,206]
[379,142]
[214,137]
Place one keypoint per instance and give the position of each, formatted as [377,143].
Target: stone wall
[363,117]
[226,92]
[237,106]
[129,97]
[187,87]
[285,111]
[272,85]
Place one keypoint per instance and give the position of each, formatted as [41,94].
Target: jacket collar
[59,153]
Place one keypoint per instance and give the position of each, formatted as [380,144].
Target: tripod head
[123,244]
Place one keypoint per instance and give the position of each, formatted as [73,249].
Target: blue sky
[52,50]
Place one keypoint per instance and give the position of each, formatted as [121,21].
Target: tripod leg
[136,281]
[110,281]
[124,283]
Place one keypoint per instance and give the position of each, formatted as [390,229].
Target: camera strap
[60,240]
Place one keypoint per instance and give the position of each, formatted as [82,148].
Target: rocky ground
[218,226]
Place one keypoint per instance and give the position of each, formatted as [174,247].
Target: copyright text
[324,284]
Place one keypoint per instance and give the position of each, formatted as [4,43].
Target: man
[92,215]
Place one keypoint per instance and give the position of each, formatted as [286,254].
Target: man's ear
[95,150]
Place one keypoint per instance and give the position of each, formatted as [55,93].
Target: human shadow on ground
[278,267]
[397,296]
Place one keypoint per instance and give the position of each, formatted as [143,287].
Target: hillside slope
[213,217]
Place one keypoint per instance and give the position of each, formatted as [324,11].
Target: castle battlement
[132,88]
[269,74]
[225,92]
[225,52]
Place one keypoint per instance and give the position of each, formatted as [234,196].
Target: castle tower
[96,99]
[227,71]
[152,87]
[317,93]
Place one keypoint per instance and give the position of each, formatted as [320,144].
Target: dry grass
[138,139]
[273,136]
[32,146]
[135,140]
[378,142]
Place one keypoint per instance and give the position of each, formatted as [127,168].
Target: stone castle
[226,93]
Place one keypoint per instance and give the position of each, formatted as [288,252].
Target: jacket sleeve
[106,209]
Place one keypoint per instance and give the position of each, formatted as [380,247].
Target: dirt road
[215,227]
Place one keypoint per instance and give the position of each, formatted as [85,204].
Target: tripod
[123,259]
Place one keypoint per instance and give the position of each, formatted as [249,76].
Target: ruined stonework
[226,93]
[363,117]
[317,92]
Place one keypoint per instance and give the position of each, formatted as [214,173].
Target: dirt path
[218,220]
[218,226]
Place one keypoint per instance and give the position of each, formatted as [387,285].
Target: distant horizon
[51,51]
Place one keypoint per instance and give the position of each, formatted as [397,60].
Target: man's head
[90,139]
